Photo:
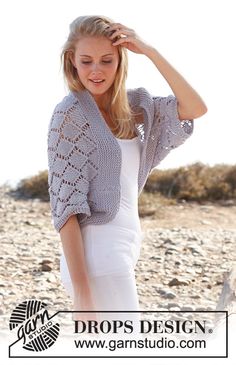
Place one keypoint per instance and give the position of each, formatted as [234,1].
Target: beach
[184,256]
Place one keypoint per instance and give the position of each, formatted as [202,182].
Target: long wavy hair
[97,26]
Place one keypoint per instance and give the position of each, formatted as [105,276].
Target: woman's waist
[114,230]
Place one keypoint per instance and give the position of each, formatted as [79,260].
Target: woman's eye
[88,62]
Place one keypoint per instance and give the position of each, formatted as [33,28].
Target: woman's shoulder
[64,110]
[139,96]
[65,104]
[140,99]
[137,91]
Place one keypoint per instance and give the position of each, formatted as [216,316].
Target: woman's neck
[103,102]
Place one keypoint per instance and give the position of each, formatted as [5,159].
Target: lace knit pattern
[84,157]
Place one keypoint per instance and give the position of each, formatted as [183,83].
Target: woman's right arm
[73,248]
[66,197]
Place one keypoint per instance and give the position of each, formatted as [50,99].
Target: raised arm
[190,104]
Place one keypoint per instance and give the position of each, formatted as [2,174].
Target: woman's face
[96,61]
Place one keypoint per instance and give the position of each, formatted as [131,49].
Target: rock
[178,263]
[187,308]
[30,223]
[228,203]
[173,306]
[227,299]
[172,250]
[46,267]
[205,222]
[169,295]
[196,250]
[169,241]
[161,291]
[176,282]
[52,279]
[195,296]
[46,261]
[200,309]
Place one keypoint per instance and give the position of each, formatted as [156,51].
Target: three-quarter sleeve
[68,182]
[168,131]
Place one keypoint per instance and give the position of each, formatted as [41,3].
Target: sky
[196,37]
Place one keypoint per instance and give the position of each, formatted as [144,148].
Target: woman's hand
[128,38]
[83,301]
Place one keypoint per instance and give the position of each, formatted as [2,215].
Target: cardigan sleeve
[68,182]
[168,131]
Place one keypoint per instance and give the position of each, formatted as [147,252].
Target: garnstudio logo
[35,327]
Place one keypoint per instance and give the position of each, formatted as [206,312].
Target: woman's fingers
[84,301]
[127,37]
[122,34]
[120,29]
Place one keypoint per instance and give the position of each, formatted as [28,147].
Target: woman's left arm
[190,104]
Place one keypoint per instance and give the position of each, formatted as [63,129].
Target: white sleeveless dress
[114,247]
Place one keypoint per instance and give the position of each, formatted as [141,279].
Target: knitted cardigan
[84,157]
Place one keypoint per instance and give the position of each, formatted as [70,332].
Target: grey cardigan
[84,157]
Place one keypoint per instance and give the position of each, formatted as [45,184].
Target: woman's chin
[97,92]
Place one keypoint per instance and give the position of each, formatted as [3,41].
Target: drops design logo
[35,327]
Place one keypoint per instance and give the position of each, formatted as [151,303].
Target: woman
[103,142]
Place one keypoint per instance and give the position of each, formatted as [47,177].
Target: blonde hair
[120,111]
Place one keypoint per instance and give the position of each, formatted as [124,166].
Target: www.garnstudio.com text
[162,343]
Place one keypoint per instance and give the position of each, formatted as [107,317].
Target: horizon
[13,183]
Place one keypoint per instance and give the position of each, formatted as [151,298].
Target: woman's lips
[97,81]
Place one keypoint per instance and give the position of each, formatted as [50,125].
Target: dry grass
[34,187]
[197,182]
[193,183]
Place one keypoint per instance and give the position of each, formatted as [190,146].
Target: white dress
[114,247]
